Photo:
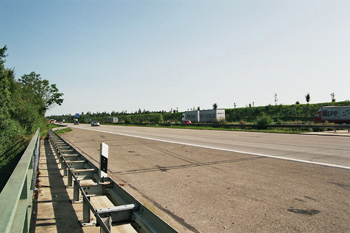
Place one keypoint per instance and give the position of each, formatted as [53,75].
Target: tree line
[23,103]
[124,117]
[250,114]
[279,113]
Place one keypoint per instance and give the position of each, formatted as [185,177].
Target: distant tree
[307,98]
[23,104]
[199,108]
[41,92]
[297,102]
[7,86]
[215,106]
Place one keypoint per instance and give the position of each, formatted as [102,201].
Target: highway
[226,181]
[314,149]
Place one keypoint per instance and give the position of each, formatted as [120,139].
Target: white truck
[212,115]
[204,116]
[335,114]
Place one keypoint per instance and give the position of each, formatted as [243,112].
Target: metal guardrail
[256,126]
[253,126]
[17,196]
[125,209]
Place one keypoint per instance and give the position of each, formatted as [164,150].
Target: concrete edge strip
[222,149]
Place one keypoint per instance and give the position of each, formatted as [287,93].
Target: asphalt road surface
[225,181]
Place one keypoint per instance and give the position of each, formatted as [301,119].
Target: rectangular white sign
[104,160]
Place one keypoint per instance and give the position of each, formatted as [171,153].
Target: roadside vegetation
[61,131]
[23,103]
[261,116]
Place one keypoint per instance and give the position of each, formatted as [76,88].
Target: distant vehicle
[186,122]
[76,122]
[334,114]
[95,123]
[52,121]
[205,116]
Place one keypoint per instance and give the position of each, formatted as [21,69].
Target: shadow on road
[65,218]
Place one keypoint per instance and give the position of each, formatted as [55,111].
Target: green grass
[45,128]
[61,131]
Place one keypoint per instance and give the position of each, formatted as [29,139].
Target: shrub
[279,122]
[263,121]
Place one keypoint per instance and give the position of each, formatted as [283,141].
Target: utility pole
[276,100]
[333,97]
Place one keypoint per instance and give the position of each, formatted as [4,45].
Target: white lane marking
[223,149]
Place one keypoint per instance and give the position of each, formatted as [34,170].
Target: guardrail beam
[125,207]
[118,214]
[16,197]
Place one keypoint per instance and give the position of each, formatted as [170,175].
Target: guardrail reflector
[103,160]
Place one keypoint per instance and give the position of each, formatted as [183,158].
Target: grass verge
[223,128]
[61,131]
[45,128]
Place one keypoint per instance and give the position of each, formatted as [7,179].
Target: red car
[186,122]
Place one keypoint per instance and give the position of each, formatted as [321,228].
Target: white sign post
[103,160]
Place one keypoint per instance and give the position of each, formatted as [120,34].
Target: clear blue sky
[115,55]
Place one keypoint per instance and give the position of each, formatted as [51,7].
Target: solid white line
[223,149]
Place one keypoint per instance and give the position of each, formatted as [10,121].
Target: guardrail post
[86,210]
[36,162]
[70,178]
[60,159]
[76,190]
[65,169]
[108,223]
